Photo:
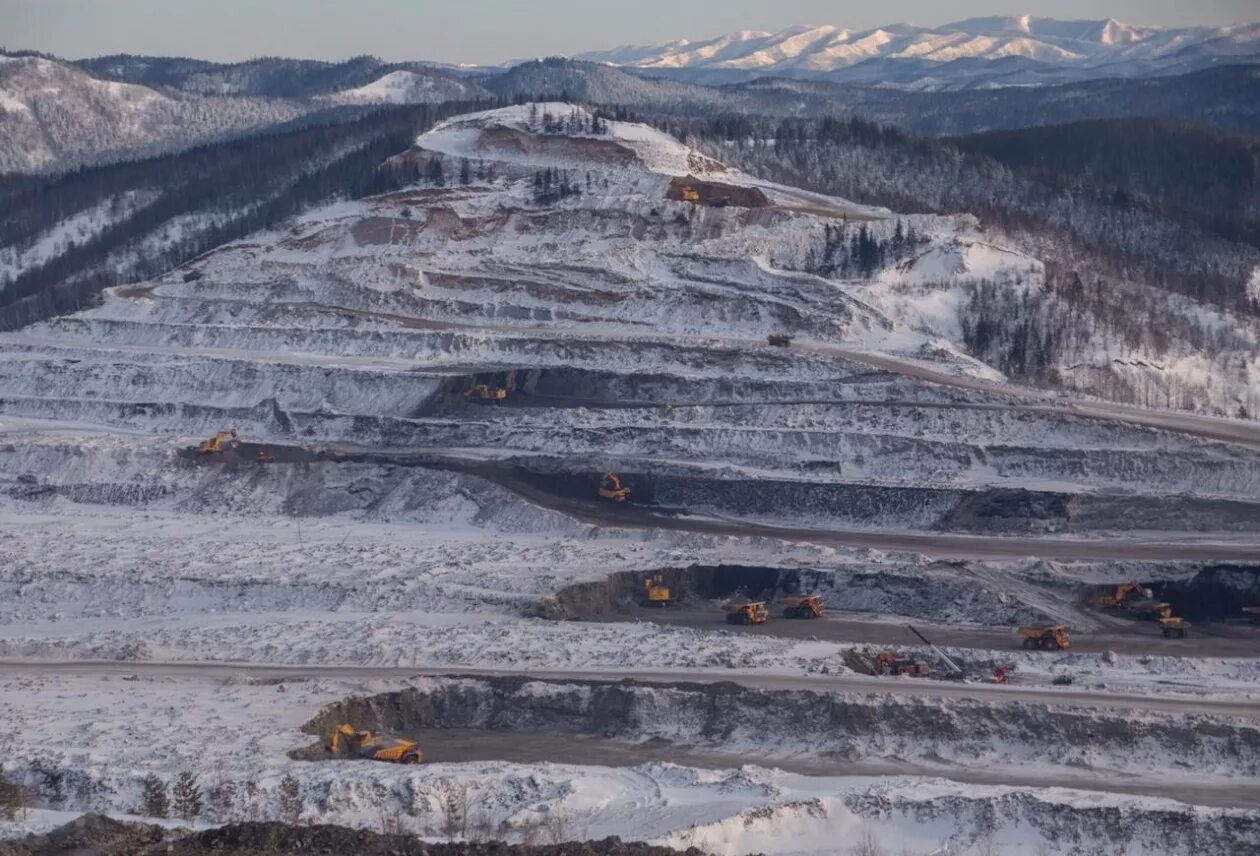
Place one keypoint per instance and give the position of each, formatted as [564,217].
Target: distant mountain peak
[1056,49]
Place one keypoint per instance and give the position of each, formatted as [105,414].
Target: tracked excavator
[808,606]
[655,592]
[216,444]
[779,340]
[347,741]
[1138,601]
[1121,596]
[610,488]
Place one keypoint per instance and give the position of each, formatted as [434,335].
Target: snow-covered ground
[402,525]
[244,731]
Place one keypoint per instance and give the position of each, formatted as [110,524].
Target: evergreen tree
[153,799]
[186,796]
[465,172]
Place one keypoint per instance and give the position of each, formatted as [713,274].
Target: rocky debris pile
[89,835]
[96,835]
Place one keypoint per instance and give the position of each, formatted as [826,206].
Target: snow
[75,229]
[402,87]
[247,728]
[353,327]
[1086,48]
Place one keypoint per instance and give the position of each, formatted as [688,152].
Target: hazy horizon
[488,32]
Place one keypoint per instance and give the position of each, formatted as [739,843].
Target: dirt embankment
[938,593]
[729,718]
[96,835]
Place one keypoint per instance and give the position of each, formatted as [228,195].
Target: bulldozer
[655,592]
[345,740]
[690,194]
[779,340]
[808,606]
[610,488]
[1052,638]
[216,444]
[747,612]
[486,392]
[1174,627]
[888,663]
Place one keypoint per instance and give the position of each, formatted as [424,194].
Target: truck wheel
[1050,645]
[1030,644]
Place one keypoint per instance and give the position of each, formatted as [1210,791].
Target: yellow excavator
[216,444]
[655,592]
[345,740]
[1138,601]
[1122,593]
[610,488]
[779,340]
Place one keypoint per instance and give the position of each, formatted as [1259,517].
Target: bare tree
[291,803]
[221,801]
[13,798]
[456,799]
[988,847]
[557,824]
[392,822]
[867,845]
[481,827]
[530,831]
[251,801]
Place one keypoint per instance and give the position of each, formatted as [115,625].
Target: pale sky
[492,31]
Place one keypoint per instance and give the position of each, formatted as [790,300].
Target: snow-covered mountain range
[992,51]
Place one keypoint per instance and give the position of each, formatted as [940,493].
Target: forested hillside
[1143,163]
[1152,295]
[155,214]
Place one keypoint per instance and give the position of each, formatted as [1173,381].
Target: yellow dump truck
[349,742]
